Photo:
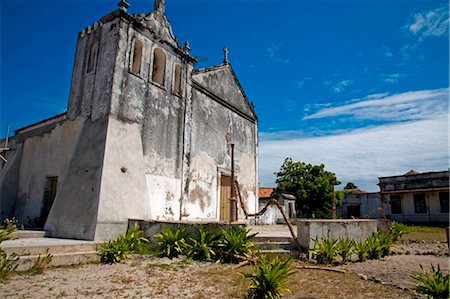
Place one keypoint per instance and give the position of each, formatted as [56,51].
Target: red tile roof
[265,192]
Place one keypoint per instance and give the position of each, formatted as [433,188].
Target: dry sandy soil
[150,277]
[405,260]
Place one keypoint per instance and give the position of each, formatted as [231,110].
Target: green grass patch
[425,233]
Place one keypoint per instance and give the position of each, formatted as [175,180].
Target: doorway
[51,184]
[225,194]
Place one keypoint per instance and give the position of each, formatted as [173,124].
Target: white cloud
[413,105]
[430,23]
[363,155]
[386,51]
[274,54]
[391,78]
[339,86]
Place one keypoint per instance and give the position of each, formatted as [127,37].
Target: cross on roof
[225,55]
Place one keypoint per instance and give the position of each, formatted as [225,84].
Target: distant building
[416,197]
[273,214]
[358,203]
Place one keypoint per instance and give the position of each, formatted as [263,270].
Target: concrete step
[59,259]
[36,246]
[274,245]
[279,252]
[28,234]
[272,239]
[64,251]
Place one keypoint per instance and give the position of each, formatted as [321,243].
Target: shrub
[5,234]
[235,243]
[397,229]
[12,223]
[172,242]
[379,244]
[114,251]
[268,278]
[345,248]
[204,244]
[434,284]
[7,263]
[325,250]
[135,240]
[39,264]
[361,250]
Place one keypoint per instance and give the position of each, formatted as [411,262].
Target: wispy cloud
[430,23]
[338,86]
[273,51]
[390,78]
[413,105]
[386,51]
[301,83]
[362,155]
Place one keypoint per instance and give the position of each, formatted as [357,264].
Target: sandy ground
[404,261]
[150,277]
[133,278]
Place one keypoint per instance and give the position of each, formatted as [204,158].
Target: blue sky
[361,86]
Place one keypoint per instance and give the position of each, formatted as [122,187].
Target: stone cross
[160,5]
[123,5]
[225,55]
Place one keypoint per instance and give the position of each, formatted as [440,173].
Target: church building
[145,136]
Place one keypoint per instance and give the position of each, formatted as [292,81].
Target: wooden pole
[333,205]
[233,202]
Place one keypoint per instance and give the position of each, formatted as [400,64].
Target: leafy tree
[311,184]
[350,186]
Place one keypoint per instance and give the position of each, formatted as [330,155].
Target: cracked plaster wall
[211,157]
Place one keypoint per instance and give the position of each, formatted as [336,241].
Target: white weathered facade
[416,197]
[144,137]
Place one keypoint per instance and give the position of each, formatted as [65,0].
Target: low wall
[151,227]
[355,229]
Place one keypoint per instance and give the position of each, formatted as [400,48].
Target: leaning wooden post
[233,202]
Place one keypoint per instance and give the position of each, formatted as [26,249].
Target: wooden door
[225,194]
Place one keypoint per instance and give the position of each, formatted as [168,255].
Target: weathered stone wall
[90,92]
[355,229]
[9,179]
[366,201]
[43,154]
[210,155]
[130,147]
[159,114]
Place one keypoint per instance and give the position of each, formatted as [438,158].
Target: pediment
[222,82]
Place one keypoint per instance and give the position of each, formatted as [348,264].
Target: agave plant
[325,250]
[5,234]
[236,242]
[345,248]
[114,251]
[434,284]
[269,278]
[135,239]
[379,244]
[397,229]
[172,242]
[361,250]
[203,245]
[7,263]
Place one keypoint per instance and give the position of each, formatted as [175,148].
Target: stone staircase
[275,245]
[32,244]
